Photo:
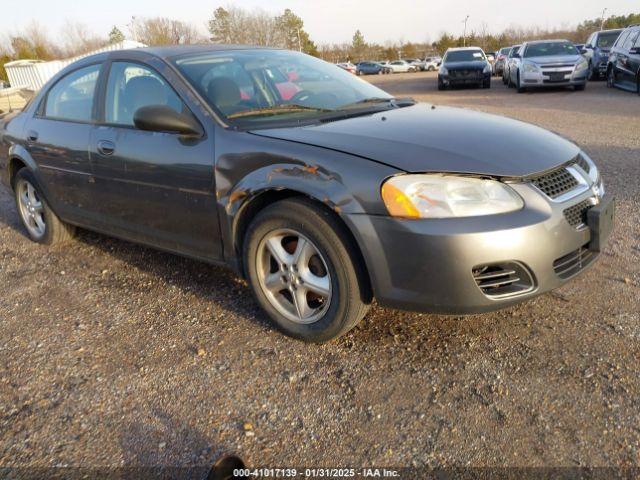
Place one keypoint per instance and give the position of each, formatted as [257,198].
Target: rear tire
[42,225]
[337,266]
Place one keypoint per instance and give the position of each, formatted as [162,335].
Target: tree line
[234,25]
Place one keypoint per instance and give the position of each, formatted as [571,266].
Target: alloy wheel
[293,275]
[31,209]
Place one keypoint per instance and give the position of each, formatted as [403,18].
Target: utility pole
[464,36]
[602,18]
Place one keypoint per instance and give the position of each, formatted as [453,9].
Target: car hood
[554,59]
[480,64]
[425,138]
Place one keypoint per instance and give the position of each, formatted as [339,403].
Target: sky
[327,21]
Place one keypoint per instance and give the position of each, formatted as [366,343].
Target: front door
[155,187]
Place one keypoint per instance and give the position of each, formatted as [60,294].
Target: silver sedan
[548,63]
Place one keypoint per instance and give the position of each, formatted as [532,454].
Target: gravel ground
[113,354]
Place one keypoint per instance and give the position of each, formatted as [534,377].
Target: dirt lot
[113,354]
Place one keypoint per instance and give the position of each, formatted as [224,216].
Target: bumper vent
[503,279]
[573,262]
[556,183]
[577,214]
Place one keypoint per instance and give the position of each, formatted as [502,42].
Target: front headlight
[445,196]
[444,71]
[582,65]
[531,67]
[487,68]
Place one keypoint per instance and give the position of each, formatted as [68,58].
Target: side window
[71,98]
[132,86]
[628,43]
[623,36]
[637,44]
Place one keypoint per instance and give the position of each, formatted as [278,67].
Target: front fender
[344,183]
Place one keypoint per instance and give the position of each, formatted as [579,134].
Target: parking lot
[113,354]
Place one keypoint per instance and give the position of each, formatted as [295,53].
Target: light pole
[464,36]
[602,18]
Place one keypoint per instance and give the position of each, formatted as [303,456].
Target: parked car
[401,66]
[597,49]
[464,66]
[549,63]
[501,57]
[371,68]
[432,63]
[512,61]
[416,62]
[623,68]
[318,203]
[348,66]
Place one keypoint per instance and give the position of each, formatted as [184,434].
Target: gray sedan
[549,63]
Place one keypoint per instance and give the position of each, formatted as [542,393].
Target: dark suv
[623,68]
[597,49]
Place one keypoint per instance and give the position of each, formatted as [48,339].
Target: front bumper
[475,78]
[428,265]
[545,79]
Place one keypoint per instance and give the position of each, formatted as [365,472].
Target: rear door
[58,139]
[155,187]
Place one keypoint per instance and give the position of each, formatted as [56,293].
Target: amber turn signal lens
[398,203]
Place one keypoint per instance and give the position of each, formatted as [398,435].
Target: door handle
[32,136]
[106,148]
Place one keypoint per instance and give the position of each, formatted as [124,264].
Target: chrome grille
[573,262]
[504,279]
[576,215]
[556,183]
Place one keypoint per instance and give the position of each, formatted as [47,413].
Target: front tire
[305,271]
[579,88]
[519,87]
[42,225]
[611,78]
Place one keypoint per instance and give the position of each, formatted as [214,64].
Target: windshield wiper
[276,110]
[395,102]
[367,101]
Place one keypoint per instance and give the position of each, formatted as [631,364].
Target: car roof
[599,32]
[170,51]
[457,49]
[551,40]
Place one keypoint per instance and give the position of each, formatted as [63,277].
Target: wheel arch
[15,164]
[260,200]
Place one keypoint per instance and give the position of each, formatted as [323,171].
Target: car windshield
[464,56]
[606,40]
[505,51]
[257,88]
[548,49]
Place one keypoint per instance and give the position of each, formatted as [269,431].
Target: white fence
[33,74]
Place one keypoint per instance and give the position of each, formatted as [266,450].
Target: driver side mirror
[160,118]
[588,46]
[583,50]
